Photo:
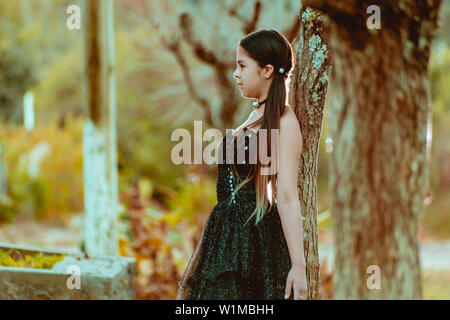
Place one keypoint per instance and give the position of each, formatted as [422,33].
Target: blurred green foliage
[193,197]
[16,77]
[57,189]
[8,209]
[14,258]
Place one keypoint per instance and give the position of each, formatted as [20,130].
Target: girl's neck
[258,106]
[261,100]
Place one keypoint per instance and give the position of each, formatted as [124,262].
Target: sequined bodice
[227,180]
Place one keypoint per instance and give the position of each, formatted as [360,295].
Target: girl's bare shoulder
[289,121]
[288,113]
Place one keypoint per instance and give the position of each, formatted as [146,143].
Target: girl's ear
[267,71]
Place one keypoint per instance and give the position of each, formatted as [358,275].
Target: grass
[14,258]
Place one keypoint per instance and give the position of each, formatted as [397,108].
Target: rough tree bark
[99,137]
[309,90]
[379,99]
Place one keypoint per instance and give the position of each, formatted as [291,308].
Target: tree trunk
[379,99]
[309,90]
[100,150]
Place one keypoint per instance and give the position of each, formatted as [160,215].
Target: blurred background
[173,64]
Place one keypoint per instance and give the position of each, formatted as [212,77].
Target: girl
[264,258]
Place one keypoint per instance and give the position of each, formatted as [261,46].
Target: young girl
[237,257]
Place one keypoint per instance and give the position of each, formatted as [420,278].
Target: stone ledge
[106,277]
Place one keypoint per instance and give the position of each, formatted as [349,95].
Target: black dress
[238,260]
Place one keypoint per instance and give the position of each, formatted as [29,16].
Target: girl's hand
[296,280]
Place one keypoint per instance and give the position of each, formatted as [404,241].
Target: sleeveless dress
[237,260]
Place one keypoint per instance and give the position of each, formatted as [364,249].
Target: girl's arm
[288,204]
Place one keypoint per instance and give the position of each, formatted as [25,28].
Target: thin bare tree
[99,135]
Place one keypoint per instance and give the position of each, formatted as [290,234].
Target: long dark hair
[268,47]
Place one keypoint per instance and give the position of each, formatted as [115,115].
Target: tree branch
[249,25]
[291,33]
[174,48]
[226,87]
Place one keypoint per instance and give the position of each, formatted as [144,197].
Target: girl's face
[249,75]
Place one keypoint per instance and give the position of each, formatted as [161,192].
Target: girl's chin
[243,93]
